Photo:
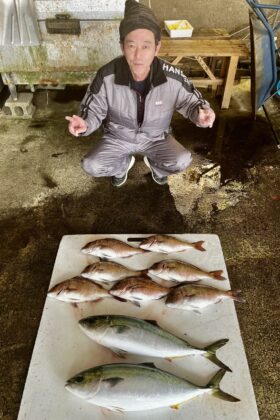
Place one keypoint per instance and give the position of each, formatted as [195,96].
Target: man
[137,94]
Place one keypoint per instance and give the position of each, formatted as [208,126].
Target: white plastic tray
[62,349]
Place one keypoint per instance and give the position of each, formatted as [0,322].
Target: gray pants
[111,157]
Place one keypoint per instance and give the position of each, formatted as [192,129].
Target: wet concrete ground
[45,195]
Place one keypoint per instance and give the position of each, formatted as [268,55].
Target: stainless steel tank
[54,43]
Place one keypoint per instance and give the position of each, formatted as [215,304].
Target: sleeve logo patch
[171,69]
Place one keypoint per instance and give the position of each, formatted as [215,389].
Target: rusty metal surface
[63,24]
[58,52]
[80,9]
[51,79]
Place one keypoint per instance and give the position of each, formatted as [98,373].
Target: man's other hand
[206,117]
[76,125]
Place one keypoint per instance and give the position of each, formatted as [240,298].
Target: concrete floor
[45,194]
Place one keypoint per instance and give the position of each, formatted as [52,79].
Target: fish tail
[211,353]
[217,274]
[144,272]
[198,245]
[216,391]
[235,295]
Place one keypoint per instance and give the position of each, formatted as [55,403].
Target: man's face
[139,48]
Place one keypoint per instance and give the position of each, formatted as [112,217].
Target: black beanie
[138,16]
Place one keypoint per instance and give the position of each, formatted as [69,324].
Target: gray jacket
[110,97]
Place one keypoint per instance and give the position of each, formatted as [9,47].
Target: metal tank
[56,42]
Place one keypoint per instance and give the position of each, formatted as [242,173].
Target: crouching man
[136,94]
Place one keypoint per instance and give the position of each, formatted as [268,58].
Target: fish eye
[79,378]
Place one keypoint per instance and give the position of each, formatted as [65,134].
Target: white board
[62,350]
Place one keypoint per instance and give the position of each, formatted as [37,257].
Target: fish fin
[214,383]
[235,295]
[161,297]
[148,364]
[175,406]
[135,303]
[196,311]
[191,296]
[106,257]
[152,321]
[97,300]
[121,353]
[68,289]
[217,274]
[119,298]
[184,283]
[191,282]
[116,409]
[144,273]
[86,268]
[211,353]
[198,245]
[112,381]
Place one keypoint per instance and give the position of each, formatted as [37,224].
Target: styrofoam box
[62,349]
[178,33]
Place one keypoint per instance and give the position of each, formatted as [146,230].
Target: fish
[110,248]
[167,244]
[124,387]
[125,334]
[77,290]
[179,271]
[195,297]
[109,271]
[136,289]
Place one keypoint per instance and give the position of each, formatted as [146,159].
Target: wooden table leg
[177,59]
[223,72]
[233,61]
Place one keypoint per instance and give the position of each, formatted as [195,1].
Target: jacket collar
[123,74]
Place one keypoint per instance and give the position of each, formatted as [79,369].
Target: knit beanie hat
[138,16]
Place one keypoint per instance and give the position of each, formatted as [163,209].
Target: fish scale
[180,271]
[127,334]
[109,271]
[110,248]
[130,387]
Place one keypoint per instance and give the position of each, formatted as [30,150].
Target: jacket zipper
[138,97]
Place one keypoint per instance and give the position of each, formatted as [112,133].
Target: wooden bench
[230,50]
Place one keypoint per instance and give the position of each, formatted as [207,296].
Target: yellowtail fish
[125,387]
[125,334]
[179,271]
[137,289]
[195,297]
[110,248]
[77,290]
[109,271]
[168,244]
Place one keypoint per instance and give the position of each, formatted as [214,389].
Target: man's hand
[206,117]
[76,125]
